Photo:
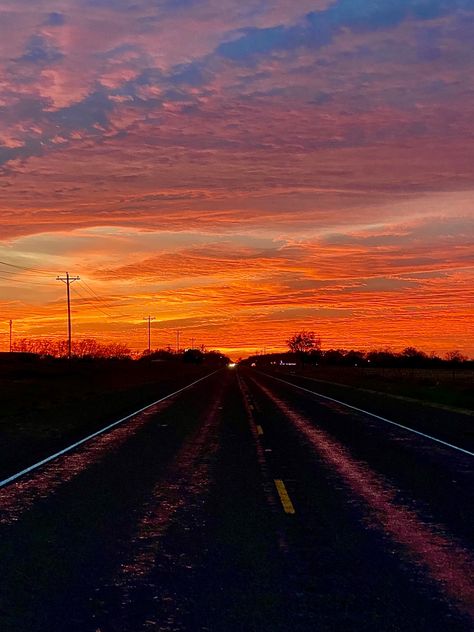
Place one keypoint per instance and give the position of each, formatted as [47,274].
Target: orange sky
[239,170]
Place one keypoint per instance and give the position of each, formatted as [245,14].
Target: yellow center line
[259,430]
[285,499]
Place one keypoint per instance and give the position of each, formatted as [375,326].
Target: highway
[246,502]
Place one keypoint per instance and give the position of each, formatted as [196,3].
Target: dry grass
[46,405]
[435,385]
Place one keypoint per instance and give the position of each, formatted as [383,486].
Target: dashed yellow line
[285,499]
[259,430]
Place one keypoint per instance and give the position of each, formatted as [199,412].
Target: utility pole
[192,343]
[68,280]
[177,340]
[149,319]
[11,332]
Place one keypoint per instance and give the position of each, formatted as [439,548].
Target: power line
[88,301]
[10,280]
[35,317]
[50,335]
[96,297]
[92,291]
[26,269]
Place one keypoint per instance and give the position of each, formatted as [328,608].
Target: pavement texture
[244,503]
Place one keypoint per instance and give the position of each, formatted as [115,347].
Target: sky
[239,170]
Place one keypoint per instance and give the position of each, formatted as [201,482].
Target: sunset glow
[240,171]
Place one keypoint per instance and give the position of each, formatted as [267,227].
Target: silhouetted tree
[354,358]
[334,356]
[158,355]
[193,356]
[412,357]
[85,348]
[304,342]
[215,358]
[455,359]
[382,358]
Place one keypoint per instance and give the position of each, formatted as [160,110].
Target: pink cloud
[354,155]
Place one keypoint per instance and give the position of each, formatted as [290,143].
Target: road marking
[48,459]
[285,499]
[366,412]
[404,398]
[259,430]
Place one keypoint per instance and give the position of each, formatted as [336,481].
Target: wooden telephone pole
[68,280]
[177,340]
[149,319]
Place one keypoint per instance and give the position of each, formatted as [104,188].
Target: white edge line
[48,459]
[366,412]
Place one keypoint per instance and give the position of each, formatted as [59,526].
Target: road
[244,503]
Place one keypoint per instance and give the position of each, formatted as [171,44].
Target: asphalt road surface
[246,503]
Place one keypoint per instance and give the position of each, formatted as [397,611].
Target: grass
[47,404]
[435,386]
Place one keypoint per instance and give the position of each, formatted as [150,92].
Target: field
[443,387]
[47,404]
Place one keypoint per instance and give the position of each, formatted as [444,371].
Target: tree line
[84,348]
[305,348]
[93,349]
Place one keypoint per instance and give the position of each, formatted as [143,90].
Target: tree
[193,356]
[334,356]
[455,357]
[412,357]
[354,358]
[303,342]
[85,348]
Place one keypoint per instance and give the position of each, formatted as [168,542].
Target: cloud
[55,19]
[319,28]
[41,51]
[268,159]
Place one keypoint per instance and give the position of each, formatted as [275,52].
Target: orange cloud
[242,170]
